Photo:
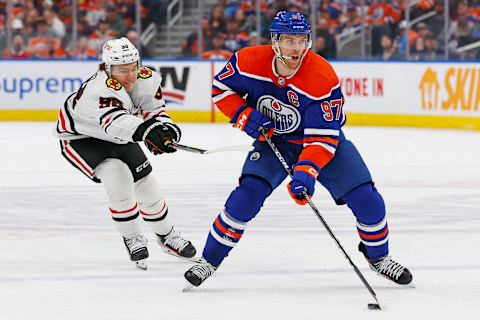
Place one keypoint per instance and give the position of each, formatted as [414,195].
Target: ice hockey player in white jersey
[99,128]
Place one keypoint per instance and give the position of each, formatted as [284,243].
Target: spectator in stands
[156,11]
[101,35]
[334,9]
[245,24]
[82,50]
[418,51]
[402,37]
[30,13]
[420,8]
[230,7]
[461,32]
[235,39]
[349,21]
[250,7]
[254,39]
[56,26]
[422,30]
[461,9]
[127,10]
[46,5]
[17,26]
[18,51]
[389,49]
[26,31]
[281,5]
[319,47]
[3,32]
[40,37]
[42,29]
[383,12]
[432,48]
[216,48]
[83,27]
[190,46]
[341,17]
[217,21]
[295,7]
[132,35]
[323,31]
[93,12]
[436,23]
[266,21]
[50,49]
[115,21]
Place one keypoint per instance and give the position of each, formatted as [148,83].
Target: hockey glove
[304,178]
[157,137]
[251,121]
[174,131]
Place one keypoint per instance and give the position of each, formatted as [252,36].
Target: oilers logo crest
[285,117]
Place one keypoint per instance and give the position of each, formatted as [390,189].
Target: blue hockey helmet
[290,23]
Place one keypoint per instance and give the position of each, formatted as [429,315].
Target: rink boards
[419,94]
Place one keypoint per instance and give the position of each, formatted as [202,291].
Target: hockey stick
[319,216]
[221,149]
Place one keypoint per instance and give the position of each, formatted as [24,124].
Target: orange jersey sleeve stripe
[230,104]
[316,154]
[216,91]
[321,139]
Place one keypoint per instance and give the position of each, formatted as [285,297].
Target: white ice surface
[62,258]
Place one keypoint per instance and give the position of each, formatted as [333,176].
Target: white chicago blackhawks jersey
[103,109]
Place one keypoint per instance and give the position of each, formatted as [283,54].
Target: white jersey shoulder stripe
[321,144]
[313,97]
[222,96]
[325,132]
[221,86]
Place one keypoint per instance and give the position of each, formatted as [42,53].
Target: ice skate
[389,268]
[137,249]
[197,274]
[174,244]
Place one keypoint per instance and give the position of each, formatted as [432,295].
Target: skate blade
[409,285]
[187,286]
[141,264]
[173,253]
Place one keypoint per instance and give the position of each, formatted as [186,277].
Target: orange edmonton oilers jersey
[306,108]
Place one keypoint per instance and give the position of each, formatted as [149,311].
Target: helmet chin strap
[279,56]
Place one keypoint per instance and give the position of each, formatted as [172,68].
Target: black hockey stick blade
[204,151]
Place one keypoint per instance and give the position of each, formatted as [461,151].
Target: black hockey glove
[157,136]
[174,131]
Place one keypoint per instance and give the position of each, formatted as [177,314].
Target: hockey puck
[374,306]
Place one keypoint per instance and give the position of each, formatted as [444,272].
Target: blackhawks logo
[144,73]
[114,84]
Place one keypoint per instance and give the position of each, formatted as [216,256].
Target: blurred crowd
[43,28]
[231,25]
